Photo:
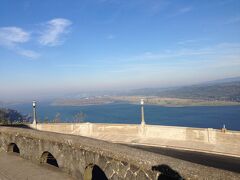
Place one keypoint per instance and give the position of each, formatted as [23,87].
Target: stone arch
[12,147]
[94,172]
[48,158]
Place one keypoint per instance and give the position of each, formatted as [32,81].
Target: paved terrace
[78,156]
[13,167]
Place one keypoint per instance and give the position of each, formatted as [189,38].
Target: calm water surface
[211,117]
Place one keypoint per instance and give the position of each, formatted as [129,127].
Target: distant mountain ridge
[226,80]
[225,90]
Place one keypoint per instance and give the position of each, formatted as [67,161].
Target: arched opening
[48,158]
[166,172]
[94,172]
[13,148]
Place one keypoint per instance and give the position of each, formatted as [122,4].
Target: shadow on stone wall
[167,173]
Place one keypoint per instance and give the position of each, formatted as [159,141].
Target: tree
[3,118]
[10,116]
[46,120]
[57,118]
[79,117]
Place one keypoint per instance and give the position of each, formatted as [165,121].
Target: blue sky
[52,47]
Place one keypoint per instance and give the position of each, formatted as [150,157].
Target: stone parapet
[198,139]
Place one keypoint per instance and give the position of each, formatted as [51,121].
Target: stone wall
[81,157]
[204,139]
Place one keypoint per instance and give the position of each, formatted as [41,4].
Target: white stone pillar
[34,113]
[142,112]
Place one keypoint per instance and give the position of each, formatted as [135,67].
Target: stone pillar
[34,114]
[90,129]
[211,135]
[142,112]
[224,129]
[142,127]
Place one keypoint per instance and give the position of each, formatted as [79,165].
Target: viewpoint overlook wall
[84,157]
[197,139]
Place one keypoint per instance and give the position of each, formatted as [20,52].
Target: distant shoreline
[157,101]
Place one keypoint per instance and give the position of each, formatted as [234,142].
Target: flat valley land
[175,102]
[149,100]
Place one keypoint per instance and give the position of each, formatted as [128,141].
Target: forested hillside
[222,91]
[8,116]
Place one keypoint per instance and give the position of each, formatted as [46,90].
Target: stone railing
[198,139]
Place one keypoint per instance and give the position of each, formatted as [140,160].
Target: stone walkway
[13,167]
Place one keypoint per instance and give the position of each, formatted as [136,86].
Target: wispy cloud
[169,54]
[53,31]
[222,53]
[184,10]
[181,11]
[12,37]
[188,41]
[191,42]
[233,20]
[111,36]
[172,64]
[224,2]
[73,65]
[27,53]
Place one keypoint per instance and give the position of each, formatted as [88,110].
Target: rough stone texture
[109,171]
[75,153]
[141,175]
[123,167]
[129,175]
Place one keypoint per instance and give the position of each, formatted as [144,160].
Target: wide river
[204,117]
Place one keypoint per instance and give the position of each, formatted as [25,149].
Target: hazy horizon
[49,96]
[55,48]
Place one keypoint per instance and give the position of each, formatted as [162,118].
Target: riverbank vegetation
[9,116]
